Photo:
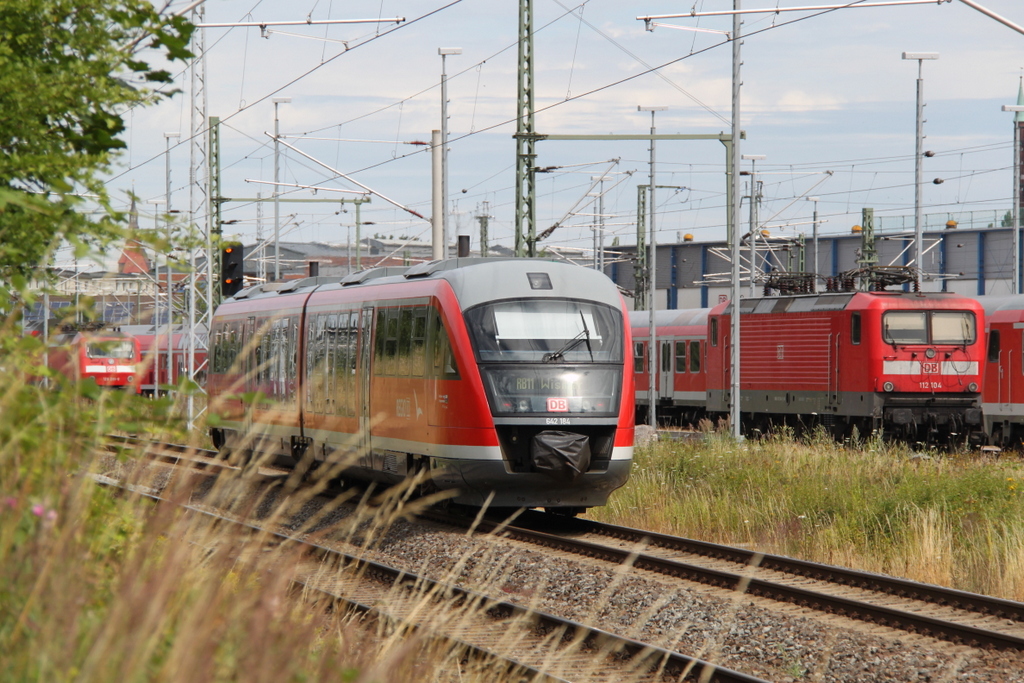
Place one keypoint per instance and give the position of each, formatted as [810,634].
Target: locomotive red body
[504,380]
[111,359]
[153,371]
[907,363]
[680,382]
[1003,388]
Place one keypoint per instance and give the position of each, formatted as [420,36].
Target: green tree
[69,71]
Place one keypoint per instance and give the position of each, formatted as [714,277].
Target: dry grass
[954,519]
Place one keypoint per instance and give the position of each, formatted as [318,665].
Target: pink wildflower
[38,510]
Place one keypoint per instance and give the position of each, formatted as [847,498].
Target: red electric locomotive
[680,383]
[906,363]
[111,359]
[503,380]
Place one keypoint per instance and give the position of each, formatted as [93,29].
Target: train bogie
[503,380]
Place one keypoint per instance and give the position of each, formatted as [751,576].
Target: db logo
[558,405]
[931,368]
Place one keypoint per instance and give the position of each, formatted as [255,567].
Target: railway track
[944,613]
[964,620]
[524,644]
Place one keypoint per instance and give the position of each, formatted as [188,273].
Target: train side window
[695,356]
[418,346]
[680,356]
[638,356]
[993,346]
[855,328]
[713,332]
[444,365]
[403,364]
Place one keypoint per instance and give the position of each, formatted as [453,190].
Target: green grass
[954,519]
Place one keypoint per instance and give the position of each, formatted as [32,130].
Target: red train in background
[680,379]
[1003,387]
[153,342]
[504,380]
[908,363]
[109,357]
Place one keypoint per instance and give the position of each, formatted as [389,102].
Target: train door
[665,381]
[365,370]
[1000,357]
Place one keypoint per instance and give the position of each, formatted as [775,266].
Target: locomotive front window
[929,327]
[547,331]
[110,349]
[953,327]
[905,327]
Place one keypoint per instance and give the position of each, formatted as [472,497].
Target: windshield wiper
[571,344]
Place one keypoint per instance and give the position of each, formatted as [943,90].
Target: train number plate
[558,405]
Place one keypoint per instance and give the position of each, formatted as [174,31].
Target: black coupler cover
[562,455]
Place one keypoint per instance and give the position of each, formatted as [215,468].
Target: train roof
[670,317]
[838,301]
[474,280]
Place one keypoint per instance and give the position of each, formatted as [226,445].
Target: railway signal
[231,271]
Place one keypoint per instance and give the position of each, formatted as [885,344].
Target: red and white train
[910,364]
[503,380]
[1003,387]
[154,372]
[110,358]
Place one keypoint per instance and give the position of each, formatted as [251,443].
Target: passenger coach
[504,380]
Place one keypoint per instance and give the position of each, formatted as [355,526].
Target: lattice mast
[526,156]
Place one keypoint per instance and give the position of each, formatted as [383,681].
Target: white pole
[734,336]
[918,156]
[814,282]
[170,284]
[277,189]
[437,220]
[652,305]
[444,52]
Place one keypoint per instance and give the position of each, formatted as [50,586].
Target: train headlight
[131,378]
[888,386]
[972,387]
[523,406]
[929,353]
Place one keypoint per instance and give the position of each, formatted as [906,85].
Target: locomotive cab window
[112,348]
[855,328]
[929,327]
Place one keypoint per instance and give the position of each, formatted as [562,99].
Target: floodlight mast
[1016,279]
[652,348]
[918,158]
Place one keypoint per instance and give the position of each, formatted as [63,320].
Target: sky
[821,91]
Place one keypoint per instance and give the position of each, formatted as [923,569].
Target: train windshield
[111,348]
[546,331]
[929,327]
[554,357]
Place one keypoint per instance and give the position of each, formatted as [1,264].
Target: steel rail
[660,662]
